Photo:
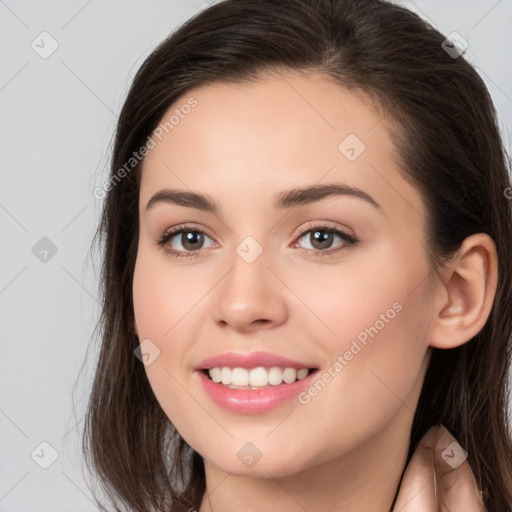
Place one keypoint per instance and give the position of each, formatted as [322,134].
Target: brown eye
[321,239]
[182,240]
[191,240]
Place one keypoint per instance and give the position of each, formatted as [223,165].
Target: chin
[249,461]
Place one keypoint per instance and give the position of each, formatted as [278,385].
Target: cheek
[162,296]
[166,303]
[375,299]
[374,333]
[375,375]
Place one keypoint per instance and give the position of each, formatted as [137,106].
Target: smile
[253,382]
[256,378]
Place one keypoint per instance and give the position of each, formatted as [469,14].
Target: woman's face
[350,305]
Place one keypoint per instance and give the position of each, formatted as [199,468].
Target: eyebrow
[285,199]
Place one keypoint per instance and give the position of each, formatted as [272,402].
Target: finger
[456,484]
[417,492]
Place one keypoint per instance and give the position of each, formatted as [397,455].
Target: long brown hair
[449,147]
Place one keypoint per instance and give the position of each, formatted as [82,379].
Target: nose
[250,297]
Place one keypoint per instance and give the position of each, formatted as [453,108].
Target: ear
[465,295]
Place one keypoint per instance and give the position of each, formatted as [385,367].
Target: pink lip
[251,401]
[248,401]
[249,360]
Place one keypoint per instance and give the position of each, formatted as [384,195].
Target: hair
[449,147]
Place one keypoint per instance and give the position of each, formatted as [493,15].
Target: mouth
[259,377]
[253,382]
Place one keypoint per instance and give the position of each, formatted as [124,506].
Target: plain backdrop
[58,114]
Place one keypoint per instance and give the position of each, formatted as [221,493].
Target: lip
[251,401]
[250,360]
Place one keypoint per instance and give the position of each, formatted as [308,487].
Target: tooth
[258,377]
[215,374]
[275,376]
[302,373]
[225,375]
[240,377]
[289,375]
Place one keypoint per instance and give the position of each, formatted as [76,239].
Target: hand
[437,480]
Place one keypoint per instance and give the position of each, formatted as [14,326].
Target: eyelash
[171,233]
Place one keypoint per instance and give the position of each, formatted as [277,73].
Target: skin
[345,449]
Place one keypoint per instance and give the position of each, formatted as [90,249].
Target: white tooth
[240,377]
[302,373]
[258,376]
[255,378]
[275,376]
[216,374]
[289,375]
[225,375]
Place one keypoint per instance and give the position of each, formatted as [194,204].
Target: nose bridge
[248,293]
[249,266]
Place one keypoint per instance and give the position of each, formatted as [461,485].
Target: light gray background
[58,117]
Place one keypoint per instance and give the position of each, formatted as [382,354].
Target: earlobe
[466,294]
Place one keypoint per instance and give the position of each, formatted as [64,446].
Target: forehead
[285,129]
[278,112]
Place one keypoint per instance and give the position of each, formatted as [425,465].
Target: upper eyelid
[327,225]
[170,233]
[304,229]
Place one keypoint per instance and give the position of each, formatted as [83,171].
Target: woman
[307,270]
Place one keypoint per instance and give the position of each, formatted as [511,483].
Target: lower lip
[252,401]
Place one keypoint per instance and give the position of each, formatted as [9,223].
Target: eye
[187,241]
[181,240]
[321,239]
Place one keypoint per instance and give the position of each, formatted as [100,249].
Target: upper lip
[249,360]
